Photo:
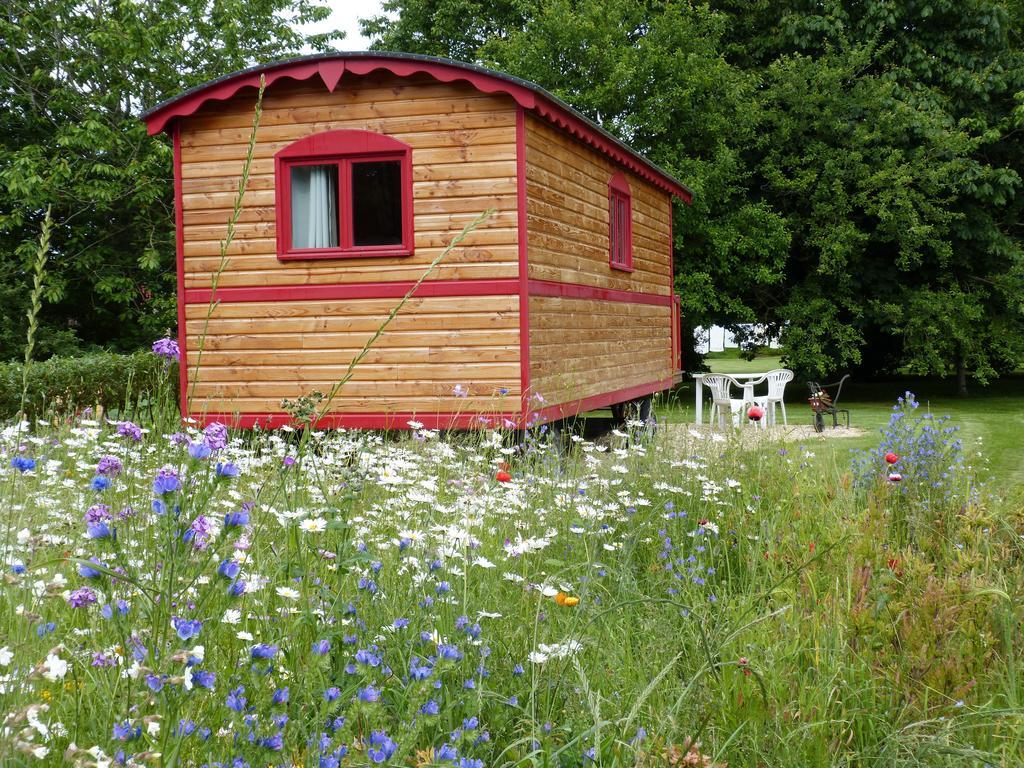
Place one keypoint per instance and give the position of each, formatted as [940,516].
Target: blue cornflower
[401,623]
[100,483]
[443,588]
[229,569]
[44,629]
[18,568]
[264,651]
[236,589]
[23,463]
[281,696]
[470,762]
[203,678]
[471,723]
[518,670]
[332,693]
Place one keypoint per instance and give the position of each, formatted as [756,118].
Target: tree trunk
[961,375]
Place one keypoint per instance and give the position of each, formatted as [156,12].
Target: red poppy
[895,477]
[755,413]
[891,458]
[503,477]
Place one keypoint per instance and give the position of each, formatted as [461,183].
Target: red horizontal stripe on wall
[395,421]
[388,290]
[577,291]
[398,289]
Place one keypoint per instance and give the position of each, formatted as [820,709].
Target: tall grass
[673,601]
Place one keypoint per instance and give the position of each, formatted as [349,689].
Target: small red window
[620,224]
[344,194]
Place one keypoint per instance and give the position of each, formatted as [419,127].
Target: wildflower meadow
[184,596]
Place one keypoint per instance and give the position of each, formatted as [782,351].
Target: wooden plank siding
[567,191]
[255,354]
[583,347]
[464,161]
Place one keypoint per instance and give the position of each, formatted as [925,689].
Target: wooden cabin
[366,166]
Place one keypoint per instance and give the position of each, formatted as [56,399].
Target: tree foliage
[857,166]
[73,79]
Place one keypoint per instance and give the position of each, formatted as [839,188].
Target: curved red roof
[330,68]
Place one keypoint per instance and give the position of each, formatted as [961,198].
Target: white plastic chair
[721,400]
[777,381]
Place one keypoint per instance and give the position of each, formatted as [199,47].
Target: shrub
[65,384]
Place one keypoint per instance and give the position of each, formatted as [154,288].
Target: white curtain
[314,206]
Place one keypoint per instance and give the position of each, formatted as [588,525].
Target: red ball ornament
[891,458]
[755,413]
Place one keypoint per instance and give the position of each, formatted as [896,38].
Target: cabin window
[620,224]
[344,194]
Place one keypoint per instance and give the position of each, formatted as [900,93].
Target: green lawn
[991,418]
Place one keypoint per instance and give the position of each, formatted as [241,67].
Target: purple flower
[203,679]
[288,461]
[82,597]
[109,466]
[132,431]
[155,683]
[167,349]
[97,513]
[281,696]
[275,742]
[216,436]
[23,463]
[199,532]
[431,707]
[229,569]
[332,693]
[237,589]
[166,481]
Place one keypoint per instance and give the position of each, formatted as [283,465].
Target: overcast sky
[346,15]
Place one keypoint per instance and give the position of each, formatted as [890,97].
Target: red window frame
[344,149]
[620,238]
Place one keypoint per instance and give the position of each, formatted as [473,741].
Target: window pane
[623,232]
[377,203]
[314,206]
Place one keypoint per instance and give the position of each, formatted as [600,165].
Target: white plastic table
[748,380]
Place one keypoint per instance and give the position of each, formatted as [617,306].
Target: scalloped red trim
[331,70]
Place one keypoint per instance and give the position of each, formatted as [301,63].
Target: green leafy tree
[892,148]
[653,74]
[73,79]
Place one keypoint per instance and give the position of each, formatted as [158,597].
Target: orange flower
[560,598]
[571,602]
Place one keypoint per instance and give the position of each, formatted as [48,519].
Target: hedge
[64,384]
